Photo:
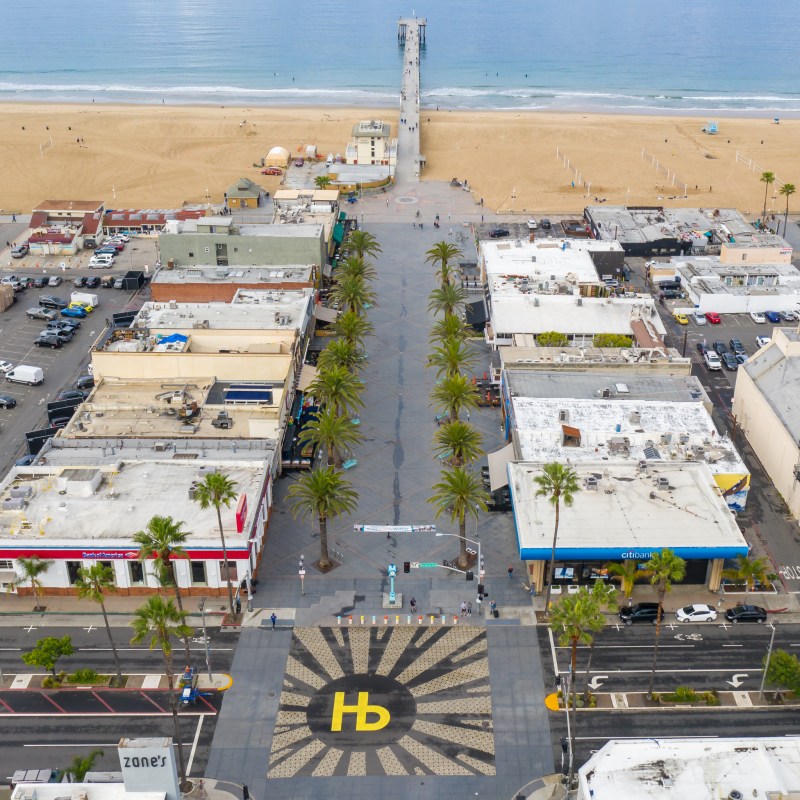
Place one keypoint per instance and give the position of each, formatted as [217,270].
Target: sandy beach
[162,156]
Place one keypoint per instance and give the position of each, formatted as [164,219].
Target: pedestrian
[387,202]
[720,602]
[413,604]
[273,619]
[463,608]
[245,792]
[493,607]
[467,415]
[469,609]
[510,571]
[13,217]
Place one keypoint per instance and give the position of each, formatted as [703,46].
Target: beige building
[370,144]
[766,409]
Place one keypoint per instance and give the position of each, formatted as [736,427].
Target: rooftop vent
[662,483]
[173,303]
[590,483]
[563,415]
[635,417]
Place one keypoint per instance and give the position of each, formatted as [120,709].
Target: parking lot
[61,366]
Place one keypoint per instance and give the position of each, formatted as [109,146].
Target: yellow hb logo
[361,709]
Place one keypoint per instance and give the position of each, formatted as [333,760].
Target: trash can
[496,613]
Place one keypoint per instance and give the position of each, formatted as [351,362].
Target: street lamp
[202,605]
[302,573]
[766,663]
[481,572]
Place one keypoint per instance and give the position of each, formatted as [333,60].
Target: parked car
[107,281]
[48,339]
[25,461]
[729,361]
[713,318]
[699,612]
[720,348]
[85,382]
[71,394]
[87,307]
[758,317]
[65,334]
[762,341]
[741,358]
[64,325]
[73,311]
[51,301]
[712,361]
[105,251]
[101,260]
[681,319]
[55,280]
[531,224]
[498,233]
[672,294]
[787,316]
[40,281]
[20,250]
[41,313]
[122,237]
[7,401]
[113,245]
[746,614]
[639,612]
[701,348]
[736,346]
[92,282]
[699,319]
[119,283]
[79,282]
[6,367]
[272,171]
[545,224]
[772,316]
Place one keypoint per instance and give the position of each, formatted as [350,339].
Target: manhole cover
[406,200]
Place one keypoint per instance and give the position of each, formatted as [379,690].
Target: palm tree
[331,431]
[557,483]
[626,573]
[353,328]
[341,353]
[787,190]
[606,597]
[80,765]
[363,244]
[353,294]
[91,584]
[449,299]
[455,394]
[450,327]
[768,178]
[665,568]
[748,571]
[217,490]
[162,540]
[338,389]
[355,267]
[441,255]
[323,181]
[32,568]
[460,440]
[324,493]
[451,356]
[458,493]
[159,621]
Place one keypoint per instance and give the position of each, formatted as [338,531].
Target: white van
[25,373]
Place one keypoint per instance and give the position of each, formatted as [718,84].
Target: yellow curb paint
[228,685]
[551,701]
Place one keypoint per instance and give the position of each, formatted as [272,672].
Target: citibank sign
[636,555]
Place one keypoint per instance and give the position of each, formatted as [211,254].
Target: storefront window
[136,573]
[72,571]
[199,572]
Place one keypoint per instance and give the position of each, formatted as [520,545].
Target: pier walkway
[410,33]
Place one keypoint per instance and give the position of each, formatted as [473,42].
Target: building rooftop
[525,354]
[694,768]
[706,274]
[228,225]
[628,511]
[305,196]
[551,429]
[373,128]
[80,791]
[209,273]
[262,309]
[512,312]
[100,499]
[78,206]
[153,410]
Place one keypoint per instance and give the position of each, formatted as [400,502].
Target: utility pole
[202,605]
[766,663]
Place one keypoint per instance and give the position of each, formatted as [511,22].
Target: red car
[272,171]
[713,318]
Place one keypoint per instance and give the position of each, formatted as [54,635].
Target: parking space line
[146,697]
[50,700]
[104,702]
[194,743]
[3,702]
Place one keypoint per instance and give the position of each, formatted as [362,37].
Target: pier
[411,35]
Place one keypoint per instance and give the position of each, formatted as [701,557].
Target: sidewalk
[136,682]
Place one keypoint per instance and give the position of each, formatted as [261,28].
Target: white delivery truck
[24,373]
[85,297]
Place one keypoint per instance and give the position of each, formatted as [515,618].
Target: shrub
[683,694]
[611,340]
[552,339]
[86,675]
[54,681]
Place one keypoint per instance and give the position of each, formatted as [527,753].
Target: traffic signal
[406,567]
[470,576]
[481,588]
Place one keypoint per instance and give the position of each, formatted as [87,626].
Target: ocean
[640,56]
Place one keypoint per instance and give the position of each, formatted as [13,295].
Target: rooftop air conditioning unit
[173,303]
[606,393]
[160,447]
[643,466]
[536,302]
[666,438]
[662,483]
[590,483]
[579,301]
[635,417]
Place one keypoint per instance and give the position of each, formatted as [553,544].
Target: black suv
[641,612]
[720,348]
[746,614]
[50,301]
[737,347]
[498,233]
[49,339]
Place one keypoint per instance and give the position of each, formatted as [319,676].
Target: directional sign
[428,564]
[301,572]
[596,683]
[735,682]
[415,565]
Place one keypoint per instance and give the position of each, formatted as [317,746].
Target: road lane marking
[194,743]
[553,651]
[631,647]
[671,671]
[99,744]
[733,645]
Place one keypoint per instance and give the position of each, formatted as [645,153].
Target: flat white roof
[81,791]
[696,768]
[539,313]
[628,515]
[209,273]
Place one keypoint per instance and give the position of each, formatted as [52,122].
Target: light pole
[766,663]
[481,571]
[202,606]
[302,573]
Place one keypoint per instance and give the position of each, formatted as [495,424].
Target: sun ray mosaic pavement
[385,701]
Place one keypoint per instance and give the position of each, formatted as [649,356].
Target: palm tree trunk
[552,565]
[324,558]
[655,645]
[786,217]
[173,702]
[179,603]
[574,687]
[764,215]
[111,642]
[463,563]
[225,559]
[589,669]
